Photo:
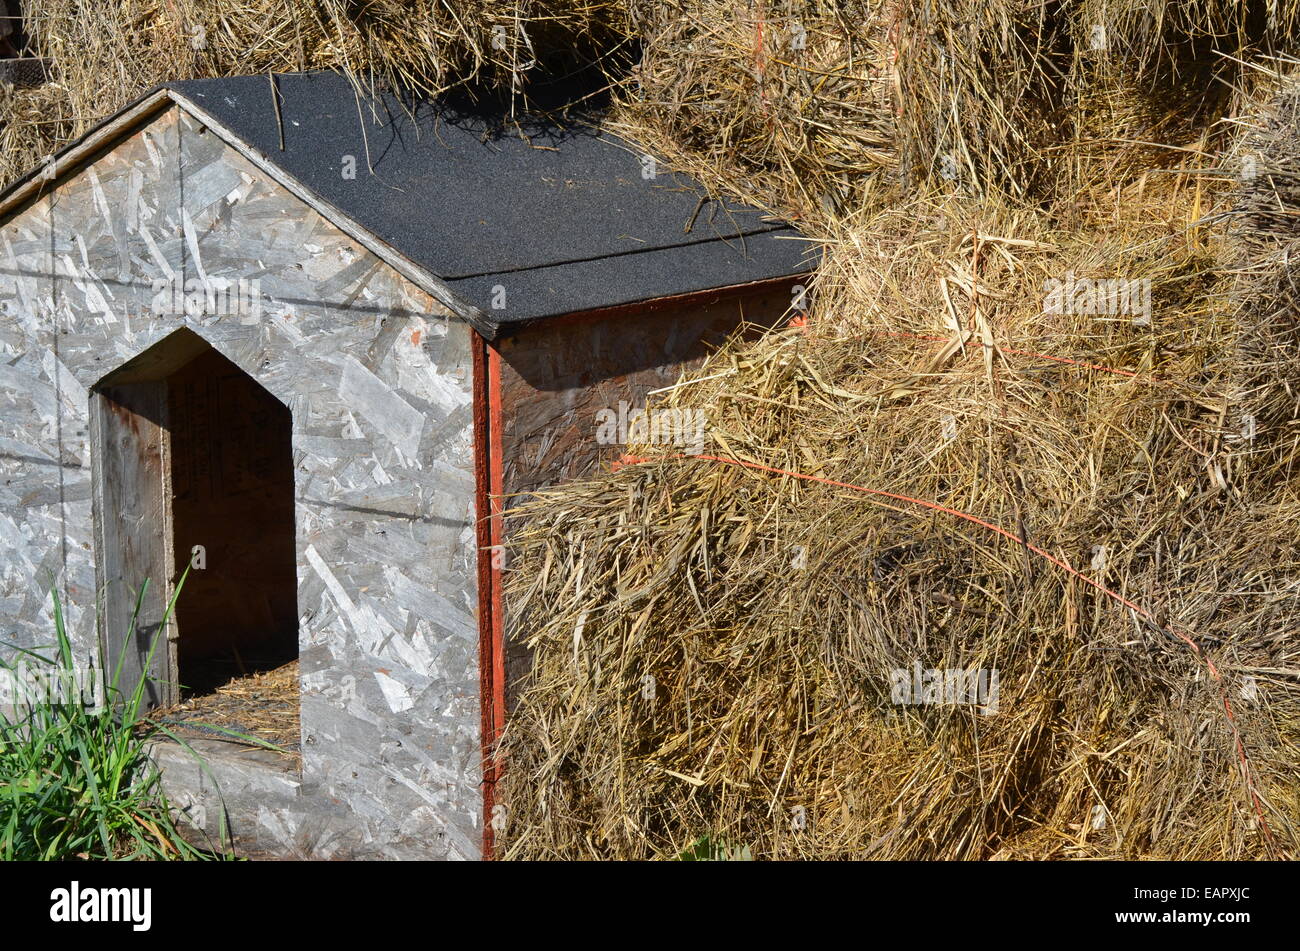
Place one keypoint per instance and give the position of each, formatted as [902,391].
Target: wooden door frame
[118,594]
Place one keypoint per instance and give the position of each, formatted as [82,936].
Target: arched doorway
[193,466]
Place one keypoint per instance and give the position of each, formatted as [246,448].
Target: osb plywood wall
[379,385]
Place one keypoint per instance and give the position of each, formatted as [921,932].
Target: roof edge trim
[75,156]
[649,305]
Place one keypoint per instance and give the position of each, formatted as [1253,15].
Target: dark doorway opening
[194,468]
[232,520]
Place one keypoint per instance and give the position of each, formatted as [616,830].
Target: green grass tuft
[75,781]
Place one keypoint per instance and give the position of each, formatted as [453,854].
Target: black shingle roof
[564,222]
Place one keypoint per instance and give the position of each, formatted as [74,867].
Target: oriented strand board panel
[378,381]
[556,377]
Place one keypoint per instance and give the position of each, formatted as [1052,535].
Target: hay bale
[1266,163]
[981,83]
[714,644]
[1266,234]
[1041,101]
[1149,77]
[802,94]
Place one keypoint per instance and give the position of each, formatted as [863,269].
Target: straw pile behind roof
[1028,101]
[800,93]
[982,85]
[106,54]
[820,97]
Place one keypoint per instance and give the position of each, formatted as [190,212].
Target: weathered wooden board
[130,433]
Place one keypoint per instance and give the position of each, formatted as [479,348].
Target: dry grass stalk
[262,705]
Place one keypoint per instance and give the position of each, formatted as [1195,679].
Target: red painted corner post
[489,487]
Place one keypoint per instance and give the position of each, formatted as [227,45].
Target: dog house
[298,341]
